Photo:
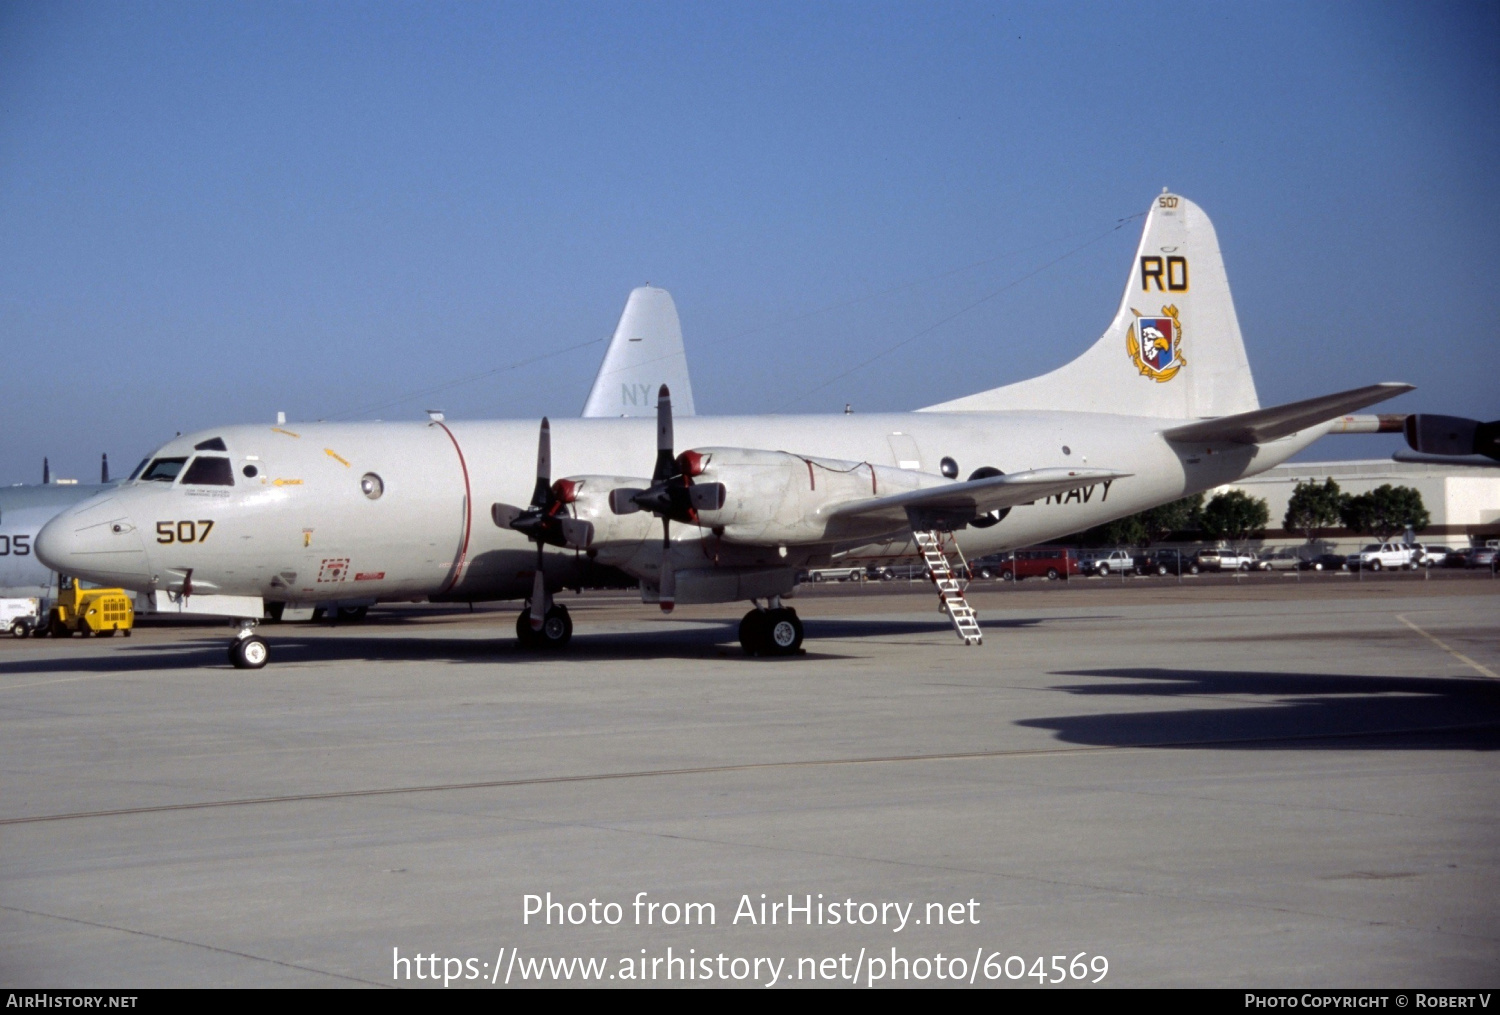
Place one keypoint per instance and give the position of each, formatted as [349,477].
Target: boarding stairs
[936,546]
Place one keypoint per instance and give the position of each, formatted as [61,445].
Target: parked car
[1280,560]
[1428,555]
[836,574]
[1209,559]
[1168,561]
[1050,562]
[1482,556]
[1381,557]
[990,565]
[1324,562]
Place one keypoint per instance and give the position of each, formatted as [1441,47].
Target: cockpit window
[208,471]
[137,470]
[212,444]
[163,470]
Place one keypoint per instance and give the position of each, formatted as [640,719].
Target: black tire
[1374,565]
[1244,566]
[1192,569]
[524,634]
[352,614]
[1007,576]
[1052,574]
[782,632]
[1102,571]
[1161,569]
[986,573]
[752,632]
[557,629]
[58,629]
[249,653]
[17,629]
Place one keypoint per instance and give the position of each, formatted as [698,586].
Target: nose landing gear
[248,650]
[556,632]
[774,631]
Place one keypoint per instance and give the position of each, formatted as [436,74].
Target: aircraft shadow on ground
[290,644]
[1281,711]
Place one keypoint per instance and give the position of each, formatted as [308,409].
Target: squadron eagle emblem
[1155,344]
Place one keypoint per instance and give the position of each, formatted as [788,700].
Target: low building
[1463,500]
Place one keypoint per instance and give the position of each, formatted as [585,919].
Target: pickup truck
[20,617]
[1382,556]
[1113,562]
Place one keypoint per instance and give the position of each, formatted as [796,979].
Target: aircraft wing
[1264,425]
[973,498]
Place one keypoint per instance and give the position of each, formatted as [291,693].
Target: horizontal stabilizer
[1423,458]
[977,496]
[1279,421]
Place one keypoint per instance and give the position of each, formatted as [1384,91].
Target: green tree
[1313,508]
[1385,511]
[1236,516]
[1178,516]
[1144,527]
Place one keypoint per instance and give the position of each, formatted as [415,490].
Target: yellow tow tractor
[100,612]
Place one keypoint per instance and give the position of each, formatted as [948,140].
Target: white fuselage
[302,529]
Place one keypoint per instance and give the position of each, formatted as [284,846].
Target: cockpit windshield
[137,470]
[207,470]
[163,470]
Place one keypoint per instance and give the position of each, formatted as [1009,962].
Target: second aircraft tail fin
[645,353]
[1174,348]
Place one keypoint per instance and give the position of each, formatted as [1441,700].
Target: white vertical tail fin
[645,353]
[1174,349]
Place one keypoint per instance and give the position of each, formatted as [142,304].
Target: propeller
[672,495]
[545,520]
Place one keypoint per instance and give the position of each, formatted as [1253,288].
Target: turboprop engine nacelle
[774,497]
[616,539]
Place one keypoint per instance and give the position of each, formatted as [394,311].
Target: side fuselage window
[206,471]
[163,470]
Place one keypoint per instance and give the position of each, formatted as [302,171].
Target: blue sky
[210,211]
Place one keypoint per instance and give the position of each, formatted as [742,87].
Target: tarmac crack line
[354,794]
[1485,670]
[1029,878]
[192,944]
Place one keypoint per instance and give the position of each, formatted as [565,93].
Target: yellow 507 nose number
[183,532]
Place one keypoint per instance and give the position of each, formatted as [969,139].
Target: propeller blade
[504,514]
[622,500]
[707,496]
[668,597]
[576,533]
[666,467]
[540,495]
[538,596]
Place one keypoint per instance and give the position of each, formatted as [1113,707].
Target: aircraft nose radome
[95,541]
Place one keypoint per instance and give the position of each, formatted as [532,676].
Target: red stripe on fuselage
[463,550]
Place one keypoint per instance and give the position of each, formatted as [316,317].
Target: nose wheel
[773,632]
[248,650]
[556,632]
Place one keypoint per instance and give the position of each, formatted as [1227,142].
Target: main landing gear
[773,631]
[248,650]
[557,628]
